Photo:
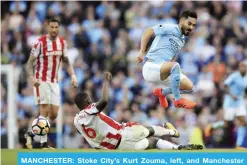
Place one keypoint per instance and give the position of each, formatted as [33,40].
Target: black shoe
[190,147]
[45,146]
[29,139]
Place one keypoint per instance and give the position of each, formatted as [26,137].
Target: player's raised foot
[46,147]
[168,125]
[29,139]
[191,147]
[162,98]
[184,103]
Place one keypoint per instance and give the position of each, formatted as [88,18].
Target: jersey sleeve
[91,109]
[161,29]
[35,51]
[65,49]
[229,80]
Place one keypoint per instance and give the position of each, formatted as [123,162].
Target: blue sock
[168,91]
[175,81]
[240,135]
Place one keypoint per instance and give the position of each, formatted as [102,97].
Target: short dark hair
[53,20]
[81,100]
[188,13]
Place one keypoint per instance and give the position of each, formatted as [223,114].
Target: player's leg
[41,98]
[167,129]
[228,129]
[55,101]
[157,143]
[172,69]
[44,112]
[134,134]
[52,111]
[241,130]
[186,87]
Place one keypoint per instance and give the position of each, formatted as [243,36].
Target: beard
[185,31]
[54,35]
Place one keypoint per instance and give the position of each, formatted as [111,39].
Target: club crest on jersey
[54,53]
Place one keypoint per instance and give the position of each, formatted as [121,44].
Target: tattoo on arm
[30,69]
[66,60]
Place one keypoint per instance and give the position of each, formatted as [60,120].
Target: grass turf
[9,157]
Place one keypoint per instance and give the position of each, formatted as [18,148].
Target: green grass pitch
[9,157]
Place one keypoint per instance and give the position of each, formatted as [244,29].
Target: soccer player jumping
[160,66]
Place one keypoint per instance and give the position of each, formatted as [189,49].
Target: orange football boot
[184,103]
[162,98]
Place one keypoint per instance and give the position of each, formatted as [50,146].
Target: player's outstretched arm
[100,105]
[147,35]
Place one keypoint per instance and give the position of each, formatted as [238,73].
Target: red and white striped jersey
[49,55]
[97,128]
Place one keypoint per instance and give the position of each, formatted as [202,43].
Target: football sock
[43,139]
[240,135]
[175,81]
[168,91]
[161,131]
[164,145]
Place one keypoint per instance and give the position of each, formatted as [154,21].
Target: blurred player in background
[47,54]
[102,132]
[234,104]
[160,66]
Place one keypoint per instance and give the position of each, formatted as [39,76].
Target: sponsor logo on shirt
[54,53]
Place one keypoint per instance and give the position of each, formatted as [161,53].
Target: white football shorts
[47,93]
[151,73]
[134,138]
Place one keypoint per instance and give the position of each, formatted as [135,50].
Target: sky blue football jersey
[167,43]
[236,86]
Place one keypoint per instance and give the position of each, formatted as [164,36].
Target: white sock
[43,139]
[161,131]
[165,145]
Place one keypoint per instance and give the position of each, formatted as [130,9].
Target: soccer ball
[40,126]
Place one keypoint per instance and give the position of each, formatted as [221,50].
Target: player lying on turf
[102,132]
[160,66]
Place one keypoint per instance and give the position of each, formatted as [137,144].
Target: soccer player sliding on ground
[160,66]
[102,132]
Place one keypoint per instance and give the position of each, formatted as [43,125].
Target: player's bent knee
[52,116]
[142,144]
[44,110]
[176,67]
[150,130]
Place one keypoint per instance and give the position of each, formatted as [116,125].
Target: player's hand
[140,57]
[35,82]
[74,81]
[108,76]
